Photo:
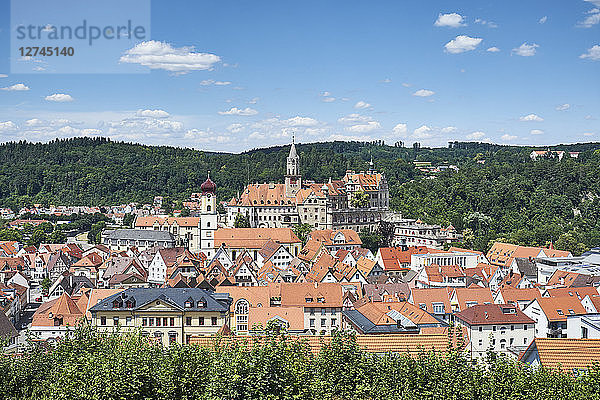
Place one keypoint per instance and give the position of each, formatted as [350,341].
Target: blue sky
[231,76]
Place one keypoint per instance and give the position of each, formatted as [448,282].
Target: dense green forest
[91,365]
[509,196]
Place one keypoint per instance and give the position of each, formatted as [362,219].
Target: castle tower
[208,217]
[293,179]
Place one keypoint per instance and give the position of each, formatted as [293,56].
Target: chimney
[316,284]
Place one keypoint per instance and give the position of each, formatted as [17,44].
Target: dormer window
[117,304]
[560,312]
[130,303]
[321,299]
[201,303]
[189,303]
[309,299]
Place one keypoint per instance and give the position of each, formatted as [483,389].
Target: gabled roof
[327,236]
[485,314]
[578,292]
[512,295]
[90,260]
[430,296]
[568,355]
[181,221]
[296,294]
[467,295]
[7,330]
[253,238]
[62,308]
[558,308]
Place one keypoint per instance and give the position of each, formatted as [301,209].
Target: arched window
[208,208]
[241,311]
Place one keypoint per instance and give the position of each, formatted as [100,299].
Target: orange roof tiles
[412,345]
[558,308]
[567,355]
[253,238]
[311,294]
[327,236]
[514,295]
[63,308]
[430,296]
[578,292]
[468,295]
[485,314]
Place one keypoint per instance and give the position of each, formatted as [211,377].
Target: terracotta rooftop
[568,355]
[484,314]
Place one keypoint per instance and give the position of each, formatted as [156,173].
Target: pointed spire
[293,153]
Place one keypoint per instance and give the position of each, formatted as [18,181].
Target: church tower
[293,180]
[208,217]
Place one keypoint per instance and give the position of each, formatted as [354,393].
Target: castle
[357,201]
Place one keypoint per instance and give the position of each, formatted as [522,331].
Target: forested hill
[507,196]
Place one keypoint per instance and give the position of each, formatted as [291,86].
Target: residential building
[169,315]
[142,239]
[334,240]
[502,328]
[550,315]
[235,241]
[585,326]
[55,318]
[410,232]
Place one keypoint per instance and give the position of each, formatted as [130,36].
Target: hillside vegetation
[509,196]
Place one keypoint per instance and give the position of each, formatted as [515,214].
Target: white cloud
[452,20]
[400,129]
[301,121]
[152,113]
[206,136]
[328,99]
[364,128]
[543,20]
[352,119]
[476,135]
[361,105]
[449,129]
[490,24]
[462,43]
[257,135]
[536,132]
[593,53]
[423,132]
[386,80]
[493,49]
[254,100]
[16,87]
[406,84]
[525,50]
[8,126]
[237,111]
[59,97]
[209,82]
[235,128]
[531,117]
[593,18]
[160,55]
[563,107]
[34,122]
[423,93]
[507,138]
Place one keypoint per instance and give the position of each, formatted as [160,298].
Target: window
[323,322]
[157,321]
[115,321]
[172,337]
[323,311]
[502,343]
[151,321]
[333,321]
[525,327]
[201,321]
[584,332]
[423,306]
[512,327]
[165,321]
[480,329]
[213,320]
[311,311]
[512,340]
[438,308]
[333,311]
[172,321]
[560,312]
[144,321]
[524,340]
[102,320]
[188,321]
[127,320]
[494,328]
[309,299]
[312,322]
[480,342]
